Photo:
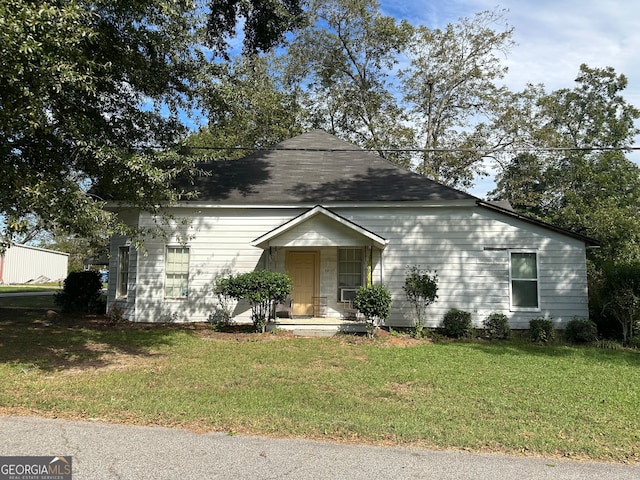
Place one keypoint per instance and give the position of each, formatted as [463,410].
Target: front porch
[317,326]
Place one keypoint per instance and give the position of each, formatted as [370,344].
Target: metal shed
[22,264]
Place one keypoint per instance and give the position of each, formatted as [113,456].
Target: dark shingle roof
[316,167]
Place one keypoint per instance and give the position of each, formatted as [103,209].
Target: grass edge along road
[510,397]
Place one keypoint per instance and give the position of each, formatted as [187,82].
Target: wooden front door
[301,267]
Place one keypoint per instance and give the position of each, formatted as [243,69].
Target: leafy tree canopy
[248,106]
[574,179]
[265,23]
[90,96]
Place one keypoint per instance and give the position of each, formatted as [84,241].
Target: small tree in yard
[221,315]
[374,302]
[421,289]
[261,289]
[619,297]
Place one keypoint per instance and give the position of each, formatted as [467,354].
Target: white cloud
[554,37]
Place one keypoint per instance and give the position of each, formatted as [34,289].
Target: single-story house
[27,264]
[334,216]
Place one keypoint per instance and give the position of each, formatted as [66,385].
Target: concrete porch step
[317,327]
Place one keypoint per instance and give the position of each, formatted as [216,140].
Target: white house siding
[468,246]
[22,263]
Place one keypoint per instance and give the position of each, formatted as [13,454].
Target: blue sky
[553,37]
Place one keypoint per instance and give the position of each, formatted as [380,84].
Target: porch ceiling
[319,226]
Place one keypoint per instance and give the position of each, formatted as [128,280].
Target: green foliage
[616,296]
[581,330]
[421,290]
[222,315]
[343,59]
[114,315]
[265,23]
[374,302]
[93,95]
[451,83]
[497,326]
[249,105]
[607,344]
[261,289]
[593,192]
[541,330]
[457,324]
[77,79]
[81,293]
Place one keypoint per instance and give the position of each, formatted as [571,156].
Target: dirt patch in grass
[103,358]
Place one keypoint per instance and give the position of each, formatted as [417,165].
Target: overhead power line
[423,150]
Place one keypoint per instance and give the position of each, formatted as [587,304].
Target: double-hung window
[350,262]
[176,283]
[524,280]
[122,279]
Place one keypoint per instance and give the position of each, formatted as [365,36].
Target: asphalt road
[102,451]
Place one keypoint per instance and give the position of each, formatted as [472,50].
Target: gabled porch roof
[324,228]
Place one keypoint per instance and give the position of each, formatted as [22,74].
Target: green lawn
[44,301]
[45,287]
[509,397]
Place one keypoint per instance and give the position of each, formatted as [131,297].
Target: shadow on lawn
[28,337]
[521,346]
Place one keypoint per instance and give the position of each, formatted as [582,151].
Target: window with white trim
[524,280]
[122,279]
[350,261]
[176,284]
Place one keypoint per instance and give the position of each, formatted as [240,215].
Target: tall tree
[90,96]
[451,88]
[248,105]
[346,57]
[579,176]
[265,23]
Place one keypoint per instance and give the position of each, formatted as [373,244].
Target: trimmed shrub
[497,326]
[541,330]
[457,324]
[421,289]
[261,289]
[374,302]
[81,293]
[581,330]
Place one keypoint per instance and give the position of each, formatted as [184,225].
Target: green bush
[374,302]
[421,289]
[541,330]
[81,293]
[457,324]
[261,289]
[581,330]
[222,315]
[614,300]
[497,326]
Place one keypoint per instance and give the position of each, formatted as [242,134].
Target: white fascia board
[410,204]
[263,240]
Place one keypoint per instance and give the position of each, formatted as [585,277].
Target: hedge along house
[335,217]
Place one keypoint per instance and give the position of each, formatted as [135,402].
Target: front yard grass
[512,397]
[41,287]
[31,302]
